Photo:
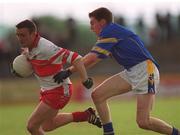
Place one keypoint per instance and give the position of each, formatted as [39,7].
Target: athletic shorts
[58,97]
[143,77]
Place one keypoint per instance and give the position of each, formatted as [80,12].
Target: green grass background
[18,98]
[13,118]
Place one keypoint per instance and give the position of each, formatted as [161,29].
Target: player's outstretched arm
[79,66]
[89,61]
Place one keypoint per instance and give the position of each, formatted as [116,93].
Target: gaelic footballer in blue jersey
[140,74]
[125,46]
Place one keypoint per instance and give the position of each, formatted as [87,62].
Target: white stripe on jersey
[69,59]
[44,51]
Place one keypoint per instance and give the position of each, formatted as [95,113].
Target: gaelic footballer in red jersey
[47,60]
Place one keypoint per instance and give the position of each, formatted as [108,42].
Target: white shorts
[143,77]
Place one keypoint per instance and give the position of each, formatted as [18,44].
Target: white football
[22,66]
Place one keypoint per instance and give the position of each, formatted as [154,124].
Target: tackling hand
[59,77]
[88,83]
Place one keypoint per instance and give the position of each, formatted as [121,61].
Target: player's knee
[144,124]
[47,128]
[96,97]
[31,127]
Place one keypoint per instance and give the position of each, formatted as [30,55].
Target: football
[21,66]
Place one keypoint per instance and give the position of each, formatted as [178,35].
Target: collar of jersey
[36,40]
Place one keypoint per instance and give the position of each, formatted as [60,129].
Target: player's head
[26,32]
[100,18]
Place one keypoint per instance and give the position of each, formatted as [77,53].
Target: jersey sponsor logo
[150,70]
[151,87]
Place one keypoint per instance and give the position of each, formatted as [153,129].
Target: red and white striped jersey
[48,59]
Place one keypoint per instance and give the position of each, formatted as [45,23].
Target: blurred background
[66,24]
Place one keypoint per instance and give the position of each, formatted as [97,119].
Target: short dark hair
[102,13]
[30,25]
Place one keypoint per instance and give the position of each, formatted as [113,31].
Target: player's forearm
[80,68]
[88,60]
[87,64]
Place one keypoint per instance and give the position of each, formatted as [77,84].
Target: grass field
[15,95]
[13,118]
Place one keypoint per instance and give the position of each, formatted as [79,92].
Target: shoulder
[108,28]
[44,42]
[111,30]
[116,31]
[45,45]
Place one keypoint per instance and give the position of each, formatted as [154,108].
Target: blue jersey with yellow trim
[124,45]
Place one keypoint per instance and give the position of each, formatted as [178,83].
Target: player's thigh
[42,113]
[144,105]
[112,86]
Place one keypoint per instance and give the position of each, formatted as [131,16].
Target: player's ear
[33,34]
[103,22]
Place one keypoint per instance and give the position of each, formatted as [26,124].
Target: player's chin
[95,32]
[23,45]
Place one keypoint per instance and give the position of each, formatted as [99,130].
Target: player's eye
[20,35]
